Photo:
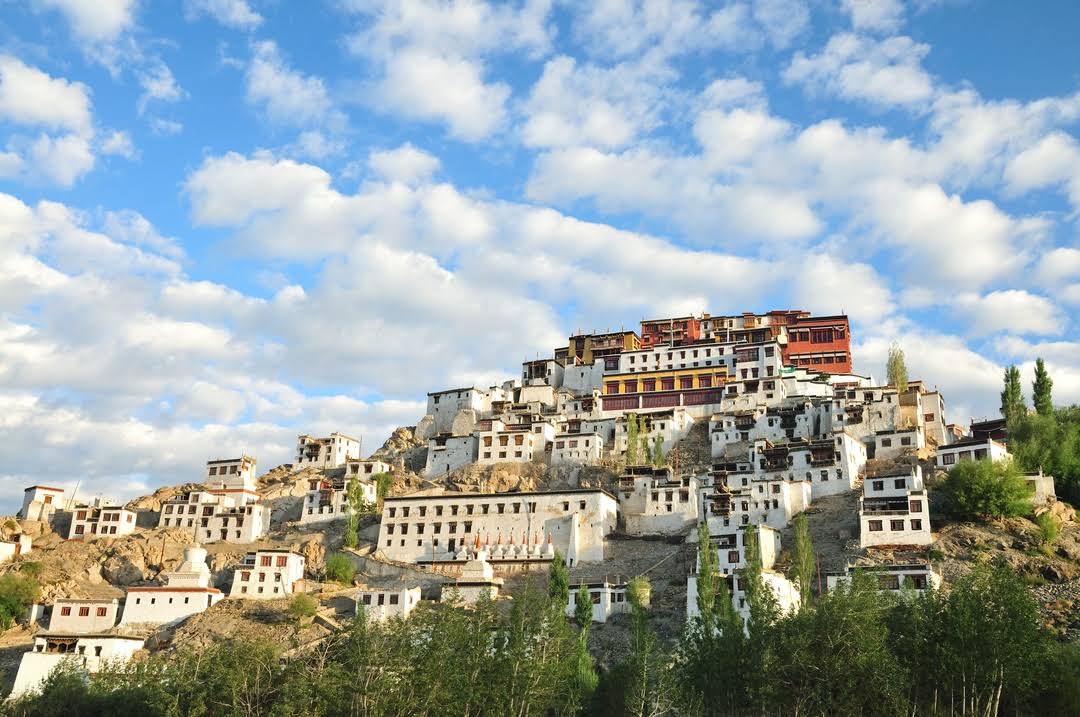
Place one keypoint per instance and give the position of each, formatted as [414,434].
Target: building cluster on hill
[783,422]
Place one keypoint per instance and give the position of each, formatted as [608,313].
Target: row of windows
[381,599]
[950,458]
[876,526]
[84,611]
[105,529]
[818,360]
[243,590]
[898,483]
[153,601]
[225,470]
[904,441]
[649,385]
[454,509]
[502,454]
[817,336]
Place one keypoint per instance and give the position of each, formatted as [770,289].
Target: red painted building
[676,331]
[819,343]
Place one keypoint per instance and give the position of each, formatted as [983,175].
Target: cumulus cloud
[405,164]
[237,14]
[29,96]
[94,20]
[1010,310]
[286,96]
[885,73]
[158,85]
[876,15]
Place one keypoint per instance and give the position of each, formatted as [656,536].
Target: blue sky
[225,222]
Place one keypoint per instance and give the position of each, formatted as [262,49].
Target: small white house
[240,471]
[90,652]
[477,579]
[894,509]
[100,518]
[40,502]
[447,452]
[653,502]
[518,443]
[227,515]
[894,578]
[14,547]
[186,592]
[580,448]
[268,575]
[971,449]
[328,499]
[84,615]
[366,468]
[607,599]
[891,444]
[330,452]
[383,603]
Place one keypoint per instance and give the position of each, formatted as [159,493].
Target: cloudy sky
[225,222]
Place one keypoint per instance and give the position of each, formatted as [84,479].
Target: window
[686,382]
[905,440]
[948,459]
[611,387]
[667,384]
[915,506]
[879,485]
[101,612]
[875,526]
[733,556]
[896,525]
[84,612]
[928,417]
[282,561]
[916,525]
[900,483]
[886,442]
[65,611]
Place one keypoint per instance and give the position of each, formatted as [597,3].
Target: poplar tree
[1040,390]
[804,558]
[1012,396]
[896,368]
[658,451]
[354,493]
[583,610]
[631,439]
[707,578]
[558,582]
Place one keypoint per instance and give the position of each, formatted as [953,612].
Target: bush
[302,606]
[986,489]
[340,569]
[1049,528]
[30,568]
[17,593]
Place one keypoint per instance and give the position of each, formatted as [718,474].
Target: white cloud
[782,20]
[885,73]
[1054,160]
[430,87]
[1010,310]
[162,126]
[95,20]
[591,105]
[231,13]
[29,96]
[1058,264]
[58,160]
[405,164]
[827,285]
[119,143]
[158,84]
[286,96]
[879,15]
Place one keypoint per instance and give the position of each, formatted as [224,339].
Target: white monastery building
[186,592]
[330,452]
[101,517]
[380,604]
[268,575]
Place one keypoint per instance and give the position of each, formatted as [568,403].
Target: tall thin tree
[1012,396]
[804,558]
[896,368]
[1041,389]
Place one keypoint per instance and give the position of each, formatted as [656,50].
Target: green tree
[1049,528]
[649,689]
[383,483]
[986,489]
[303,605]
[658,458]
[1041,389]
[631,439]
[1012,396]
[355,495]
[18,591]
[583,610]
[896,368]
[558,582]
[340,569]
[707,578]
[805,561]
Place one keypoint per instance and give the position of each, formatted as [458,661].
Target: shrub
[986,489]
[302,606]
[1049,528]
[31,569]
[17,593]
[340,569]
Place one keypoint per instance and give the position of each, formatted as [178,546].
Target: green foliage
[631,439]
[18,591]
[30,568]
[658,458]
[1050,443]
[856,651]
[383,483]
[583,610]
[340,569]
[559,582]
[1012,396]
[303,605]
[707,578]
[1049,528]
[1041,389]
[896,368]
[805,561]
[357,507]
[986,489]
